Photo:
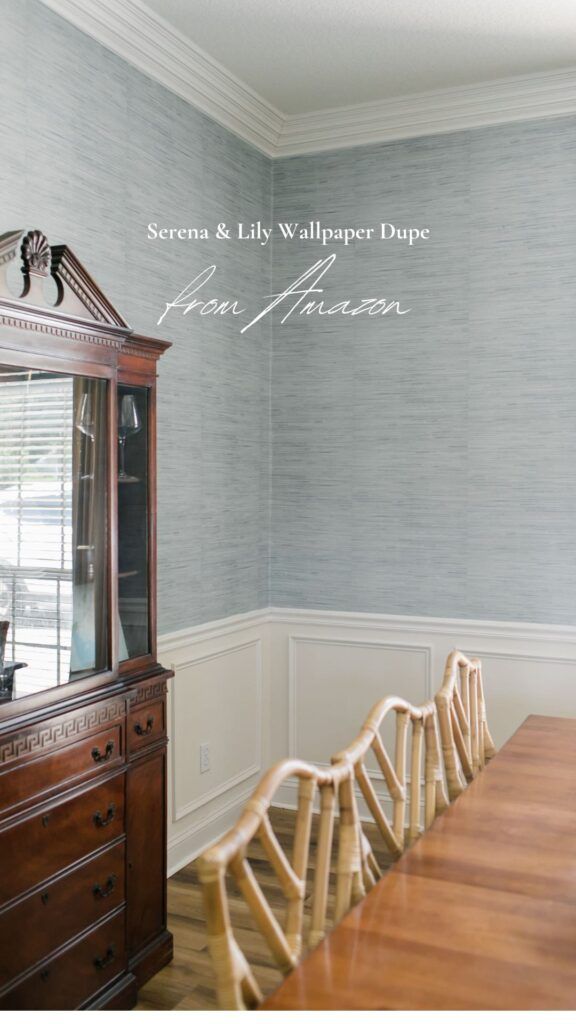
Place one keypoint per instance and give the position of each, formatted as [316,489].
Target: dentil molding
[151,44]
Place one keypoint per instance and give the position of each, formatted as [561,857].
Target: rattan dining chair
[415,733]
[467,745]
[236,985]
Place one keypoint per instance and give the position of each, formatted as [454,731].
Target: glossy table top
[481,913]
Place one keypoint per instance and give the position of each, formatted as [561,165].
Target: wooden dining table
[480,914]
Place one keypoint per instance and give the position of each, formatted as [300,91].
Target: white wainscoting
[333,681]
[217,697]
[290,682]
[328,668]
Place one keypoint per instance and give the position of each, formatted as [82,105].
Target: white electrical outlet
[204,758]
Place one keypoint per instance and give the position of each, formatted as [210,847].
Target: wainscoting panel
[216,702]
[216,699]
[516,685]
[334,681]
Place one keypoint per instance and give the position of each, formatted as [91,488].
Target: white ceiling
[308,55]
[373,72]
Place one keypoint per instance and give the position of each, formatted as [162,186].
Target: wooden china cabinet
[82,696]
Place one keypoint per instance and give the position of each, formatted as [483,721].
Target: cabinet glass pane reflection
[134,637]
[53,528]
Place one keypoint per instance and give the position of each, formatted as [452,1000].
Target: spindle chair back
[467,745]
[236,984]
[417,751]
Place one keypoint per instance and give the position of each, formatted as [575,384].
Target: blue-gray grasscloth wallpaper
[426,464]
[421,465]
[91,152]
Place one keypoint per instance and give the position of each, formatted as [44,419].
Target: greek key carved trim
[148,691]
[37,740]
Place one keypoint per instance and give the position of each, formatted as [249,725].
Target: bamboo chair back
[236,985]
[467,745]
[416,734]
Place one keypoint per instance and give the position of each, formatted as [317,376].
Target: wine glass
[129,422]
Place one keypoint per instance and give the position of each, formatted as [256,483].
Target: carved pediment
[76,293]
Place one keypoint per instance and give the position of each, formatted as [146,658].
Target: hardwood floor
[188,982]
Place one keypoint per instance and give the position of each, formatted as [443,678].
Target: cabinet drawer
[70,978]
[59,835]
[60,910]
[146,724]
[89,756]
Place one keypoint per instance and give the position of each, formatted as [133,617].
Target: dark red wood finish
[82,794]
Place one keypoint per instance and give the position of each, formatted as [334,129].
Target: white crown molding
[147,41]
[150,43]
[432,113]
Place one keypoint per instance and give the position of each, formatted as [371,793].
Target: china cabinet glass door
[53,529]
[133,523]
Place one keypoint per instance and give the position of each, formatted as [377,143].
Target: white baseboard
[185,846]
[294,682]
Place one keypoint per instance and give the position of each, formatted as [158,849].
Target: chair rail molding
[150,43]
[502,629]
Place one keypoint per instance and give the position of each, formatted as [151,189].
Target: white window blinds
[36,426]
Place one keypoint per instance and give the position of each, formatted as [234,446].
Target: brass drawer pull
[102,891]
[141,731]
[100,962]
[99,757]
[100,821]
